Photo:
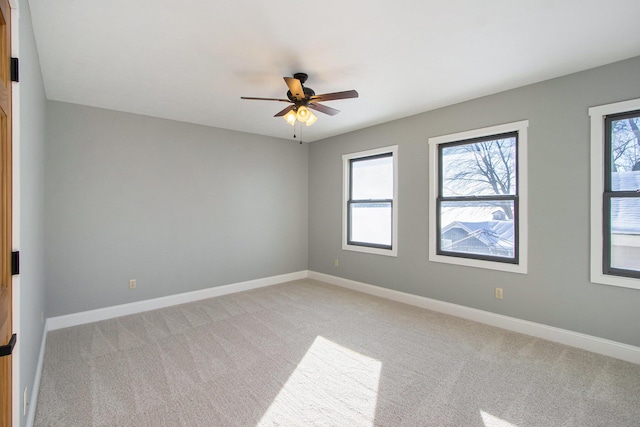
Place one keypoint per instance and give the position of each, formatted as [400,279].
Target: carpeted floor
[310,354]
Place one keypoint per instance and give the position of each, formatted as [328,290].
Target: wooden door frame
[8,196]
[17,402]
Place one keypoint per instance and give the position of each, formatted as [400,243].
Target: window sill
[368,250]
[477,263]
[607,279]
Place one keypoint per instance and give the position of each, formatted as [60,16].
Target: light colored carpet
[310,354]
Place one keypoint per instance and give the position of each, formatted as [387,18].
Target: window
[615,194]
[478,204]
[370,212]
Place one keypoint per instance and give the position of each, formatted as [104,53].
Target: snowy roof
[625,212]
[491,233]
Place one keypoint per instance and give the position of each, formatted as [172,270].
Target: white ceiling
[191,60]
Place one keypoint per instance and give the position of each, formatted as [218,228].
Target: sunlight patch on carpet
[493,421]
[332,384]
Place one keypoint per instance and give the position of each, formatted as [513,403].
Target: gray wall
[178,207]
[556,291]
[32,130]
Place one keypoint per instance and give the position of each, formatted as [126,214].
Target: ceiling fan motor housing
[308,93]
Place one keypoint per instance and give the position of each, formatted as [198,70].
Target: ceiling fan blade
[335,95]
[285,111]
[295,87]
[323,109]
[264,99]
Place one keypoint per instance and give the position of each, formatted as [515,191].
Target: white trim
[90,316]
[523,219]
[35,388]
[574,339]
[394,211]
[597,189]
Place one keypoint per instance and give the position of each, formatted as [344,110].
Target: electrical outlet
[499,293]
[336,263]
[132,284]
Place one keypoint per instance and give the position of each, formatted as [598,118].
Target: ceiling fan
[303,99]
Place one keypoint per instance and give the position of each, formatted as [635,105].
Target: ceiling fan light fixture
[303,114]
[312,119]
[290,117]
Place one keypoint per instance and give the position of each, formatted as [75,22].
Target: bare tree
[633,124]
[483,168]
[625,145]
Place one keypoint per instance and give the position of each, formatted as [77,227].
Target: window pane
[480,168]
[478,227]
[625,181]
[625,154]
[625,233]
[371,223]
[372,178]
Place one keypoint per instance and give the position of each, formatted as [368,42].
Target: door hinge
[15,263]
[6,350]
[15,75]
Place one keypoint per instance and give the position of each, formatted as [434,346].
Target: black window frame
[351,201]
[609,194]
[497,197]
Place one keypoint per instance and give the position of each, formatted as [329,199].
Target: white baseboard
[574,339]
[35,389]
[563,336]
[90,316]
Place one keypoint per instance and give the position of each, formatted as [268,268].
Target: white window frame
[394,206]
[598,115]
[523,219]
